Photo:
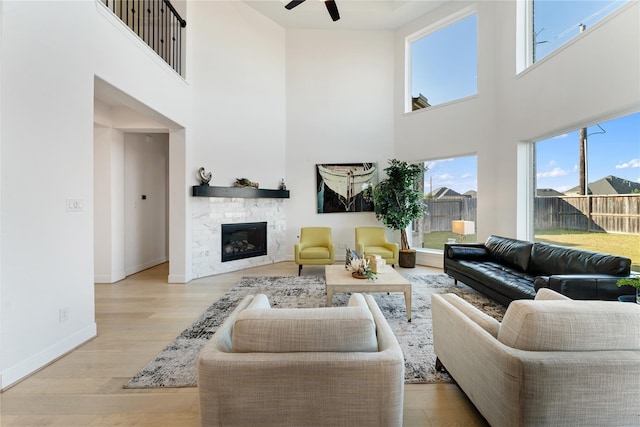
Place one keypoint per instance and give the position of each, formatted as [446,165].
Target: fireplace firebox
[244,240]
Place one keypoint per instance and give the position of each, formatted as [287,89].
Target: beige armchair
[552,361]
[315,247]
[373,241]
[330,366]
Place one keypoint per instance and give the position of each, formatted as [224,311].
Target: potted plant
[631,281]
[397,202]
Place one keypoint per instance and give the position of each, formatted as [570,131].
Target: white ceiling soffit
[354,14]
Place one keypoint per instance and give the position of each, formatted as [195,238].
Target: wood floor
[136,318]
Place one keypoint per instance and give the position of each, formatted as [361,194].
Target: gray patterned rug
[176,366]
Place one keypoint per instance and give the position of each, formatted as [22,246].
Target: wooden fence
[442,212]
[611,214]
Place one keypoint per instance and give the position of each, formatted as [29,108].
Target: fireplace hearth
[244,240]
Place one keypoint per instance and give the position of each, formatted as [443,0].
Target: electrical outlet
[64,314]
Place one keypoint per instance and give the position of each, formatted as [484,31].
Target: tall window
[450,194]
[555,22]
[444,61]
[588,188]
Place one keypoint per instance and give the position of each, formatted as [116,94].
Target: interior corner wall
[108,193]
[339,110]
[563,92]
[239,104]
[47,134]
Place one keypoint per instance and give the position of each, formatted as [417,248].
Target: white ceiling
[354,14]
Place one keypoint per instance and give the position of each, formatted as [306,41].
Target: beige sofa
[330,366]
[551,362]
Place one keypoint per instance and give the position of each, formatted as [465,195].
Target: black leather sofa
[508,269]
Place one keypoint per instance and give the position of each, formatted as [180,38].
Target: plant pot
[407,258]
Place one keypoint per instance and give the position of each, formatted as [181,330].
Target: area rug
[176,365]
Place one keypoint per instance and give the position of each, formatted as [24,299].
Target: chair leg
[299,269]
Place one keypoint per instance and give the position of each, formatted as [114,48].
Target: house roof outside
[547,192]
[608,185]
[419,102]
[444,193]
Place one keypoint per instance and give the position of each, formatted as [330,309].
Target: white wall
[145,219]
[339,110]
[47,158]
[239,105]
[51,53]
[594,78]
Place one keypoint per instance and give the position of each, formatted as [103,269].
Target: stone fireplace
[244,240]
[210,213]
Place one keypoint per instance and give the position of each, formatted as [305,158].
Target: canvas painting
[346,187]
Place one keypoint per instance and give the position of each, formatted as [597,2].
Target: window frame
[450,19]
[524,34]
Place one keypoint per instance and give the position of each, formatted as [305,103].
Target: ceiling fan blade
[293,4]
[333,9]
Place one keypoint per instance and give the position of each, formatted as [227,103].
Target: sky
[615,152]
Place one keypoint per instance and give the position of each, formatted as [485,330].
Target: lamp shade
[463,227]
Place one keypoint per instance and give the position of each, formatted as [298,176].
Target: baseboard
[177,278]
[106,278]
[50,354]
[429,258]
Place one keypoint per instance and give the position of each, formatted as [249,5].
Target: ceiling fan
[331,7]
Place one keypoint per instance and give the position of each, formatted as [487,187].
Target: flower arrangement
[360,269]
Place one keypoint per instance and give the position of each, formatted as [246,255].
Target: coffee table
[339,279]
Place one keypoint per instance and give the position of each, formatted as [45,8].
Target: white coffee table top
[338,275]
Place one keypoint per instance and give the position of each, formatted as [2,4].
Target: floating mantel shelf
[242,192]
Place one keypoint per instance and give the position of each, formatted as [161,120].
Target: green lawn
[618,244]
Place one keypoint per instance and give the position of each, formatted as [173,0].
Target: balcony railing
[157,23]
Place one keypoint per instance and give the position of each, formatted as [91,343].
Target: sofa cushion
[568,325]
[545,294]
[315,252]
[479,317]
[378,250]
[467,252]
[550,260]
[511,252]
[326,329]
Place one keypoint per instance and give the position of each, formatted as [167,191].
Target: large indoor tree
[396,199]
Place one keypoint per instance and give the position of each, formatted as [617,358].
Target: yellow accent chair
[315,247]
[373,241]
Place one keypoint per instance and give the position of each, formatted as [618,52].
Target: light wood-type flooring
[137,317]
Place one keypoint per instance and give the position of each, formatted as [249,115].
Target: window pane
[555,22]
[444,64]
[450,189]
[607,218]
